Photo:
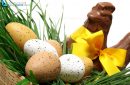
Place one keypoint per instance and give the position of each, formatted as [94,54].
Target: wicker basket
[8,77]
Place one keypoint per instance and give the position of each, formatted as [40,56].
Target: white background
[75,13]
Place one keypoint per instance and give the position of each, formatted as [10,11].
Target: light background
[75,13]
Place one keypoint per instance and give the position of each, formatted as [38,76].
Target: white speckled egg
[72,68]
[33,46]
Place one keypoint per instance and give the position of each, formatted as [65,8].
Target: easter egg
[20,33]
[56,45]
[73,68]
[45,66]
[33,46]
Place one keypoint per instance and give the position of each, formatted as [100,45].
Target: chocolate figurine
[99,18]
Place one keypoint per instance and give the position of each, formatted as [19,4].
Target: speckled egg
[56,45]
[36,45]
[72,68]
[20,33]
[45,66]
[88,65]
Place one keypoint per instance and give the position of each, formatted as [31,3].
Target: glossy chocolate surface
[100,18]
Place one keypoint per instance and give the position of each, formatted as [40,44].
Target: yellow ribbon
[89,44]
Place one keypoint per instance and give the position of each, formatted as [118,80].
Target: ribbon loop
[116,55]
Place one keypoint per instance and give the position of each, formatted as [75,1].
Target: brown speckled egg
[20,33]
[56,45]
[45,66]
[88,65]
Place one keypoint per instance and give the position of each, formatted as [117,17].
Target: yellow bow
[89,44]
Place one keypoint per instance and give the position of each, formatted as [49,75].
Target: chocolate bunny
[99,18]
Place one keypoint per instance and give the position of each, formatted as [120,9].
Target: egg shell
[56,45]
[20,33]
[88,65]
[36,45]
[72,68]
[45,66]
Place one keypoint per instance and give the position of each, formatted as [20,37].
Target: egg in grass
[73,68]
[56,45]
[20,33]
[33,46]
[45,66]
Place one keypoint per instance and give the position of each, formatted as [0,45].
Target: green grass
[15,59]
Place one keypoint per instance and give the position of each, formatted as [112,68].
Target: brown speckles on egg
[68,59]
[72,68]
[88,65]
[45,67]
[28,45]
[27,32]
[33,46]
[20,40]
